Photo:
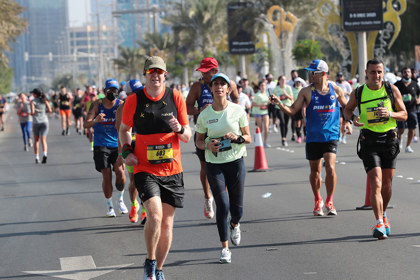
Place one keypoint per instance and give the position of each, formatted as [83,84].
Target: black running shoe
[44,159]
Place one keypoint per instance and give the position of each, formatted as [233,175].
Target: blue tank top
[105,134]
[323,117]
[205,97]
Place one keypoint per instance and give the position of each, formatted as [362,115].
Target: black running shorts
[169,188]
[316,150]
[104,157]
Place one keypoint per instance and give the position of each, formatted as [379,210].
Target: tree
[306,50]
[11,26]
[6,75]
[130,62]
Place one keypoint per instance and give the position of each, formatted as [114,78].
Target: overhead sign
[362,15]
[240,39]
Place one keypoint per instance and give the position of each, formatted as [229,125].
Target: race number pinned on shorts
[157,154]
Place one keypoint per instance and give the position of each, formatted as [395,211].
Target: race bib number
[406,98]
[264,107]
[373,118]
[157,154]
[23,114]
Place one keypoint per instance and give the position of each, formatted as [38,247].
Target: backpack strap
[389,92]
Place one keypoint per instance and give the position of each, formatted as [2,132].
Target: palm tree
[130,62]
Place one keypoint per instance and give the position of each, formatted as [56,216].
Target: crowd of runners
[138,128]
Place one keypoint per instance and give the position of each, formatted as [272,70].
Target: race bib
[406,98]
[23,114]
[157,154]
[373,118]
[264,107]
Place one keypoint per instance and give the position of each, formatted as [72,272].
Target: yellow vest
[368,110]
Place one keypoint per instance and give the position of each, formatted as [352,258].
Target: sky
[77,12]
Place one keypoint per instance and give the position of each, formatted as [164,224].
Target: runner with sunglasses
[322,130]
[159,115]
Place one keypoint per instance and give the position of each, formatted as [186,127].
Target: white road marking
[310,273]
[410,178]
[78,268]
[399,176]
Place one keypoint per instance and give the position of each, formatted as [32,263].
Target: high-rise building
[38,52]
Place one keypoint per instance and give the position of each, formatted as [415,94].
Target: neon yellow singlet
[368,111]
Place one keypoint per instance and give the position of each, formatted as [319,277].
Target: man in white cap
[322,130]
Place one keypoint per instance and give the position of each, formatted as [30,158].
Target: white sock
[45,154]
[109,202]
[122,195]
[36,156]
[379,221]
[384,214]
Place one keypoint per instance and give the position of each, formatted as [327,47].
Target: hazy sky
[77,12]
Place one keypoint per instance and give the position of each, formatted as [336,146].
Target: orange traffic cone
[260,162]
[367,205]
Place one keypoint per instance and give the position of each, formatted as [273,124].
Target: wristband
[390,114]
[240,140]
[182,130]
[126,150]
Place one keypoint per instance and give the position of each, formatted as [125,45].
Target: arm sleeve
[129,110]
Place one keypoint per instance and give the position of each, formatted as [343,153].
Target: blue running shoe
[387,226]
[160,275]
[379,231]
[149,270]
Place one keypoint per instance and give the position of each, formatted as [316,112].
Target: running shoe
[143,216]
[160,275]
[299,140]
[44,159]
[133,216]
[63,132]
[415,140]
[275,129]
[2,128]
[208,208]
[344,140]
[293,138]
[387,226]
[122,209]
[149,270]
[284,143]
[25,148]
[266,145]
[37,160]
[318,208]
[110,212]
[30,142]
[225,256]
[330,209]
[379,231]
[235,234]
[408,149]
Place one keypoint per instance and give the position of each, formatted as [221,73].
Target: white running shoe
[235,234]
[225,256]
[275,129]
[122,208]
[318,208]
[344,140]
[408,149]
[208,208]
[110,212]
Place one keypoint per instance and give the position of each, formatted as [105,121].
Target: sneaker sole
[123,212]
[225,261]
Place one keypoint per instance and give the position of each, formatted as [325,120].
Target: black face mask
[111,95]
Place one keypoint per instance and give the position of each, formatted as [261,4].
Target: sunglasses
[316,72]
[155,70]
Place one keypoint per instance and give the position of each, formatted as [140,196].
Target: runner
[378,137]
[40,106]
[64,102]
[200,94]
[25,120]
[323,130]
[222,131]
[3,104]
[101,117]
[132,87]
[160,118]
[259,110]
[77,110]
[92,97]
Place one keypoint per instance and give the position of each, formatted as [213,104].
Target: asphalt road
[53,224]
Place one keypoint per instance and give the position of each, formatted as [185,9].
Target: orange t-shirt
[143,141]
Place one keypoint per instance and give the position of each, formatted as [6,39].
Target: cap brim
[310,69]
[204,70]
[156,66]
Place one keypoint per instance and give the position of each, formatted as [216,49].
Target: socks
[91,144]
[45,154]
[109,202]
[121,195]
[384,214]
[329,198]
[37,156]
[134,203]
[379,221]
[318,197]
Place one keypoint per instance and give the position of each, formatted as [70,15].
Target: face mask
[406,81]
[111,95]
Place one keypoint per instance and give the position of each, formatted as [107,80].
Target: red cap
[207,64]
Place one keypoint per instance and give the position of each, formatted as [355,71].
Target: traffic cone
[367,205]
[260,162]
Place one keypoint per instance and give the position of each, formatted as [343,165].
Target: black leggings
[227,182]
[284,121]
